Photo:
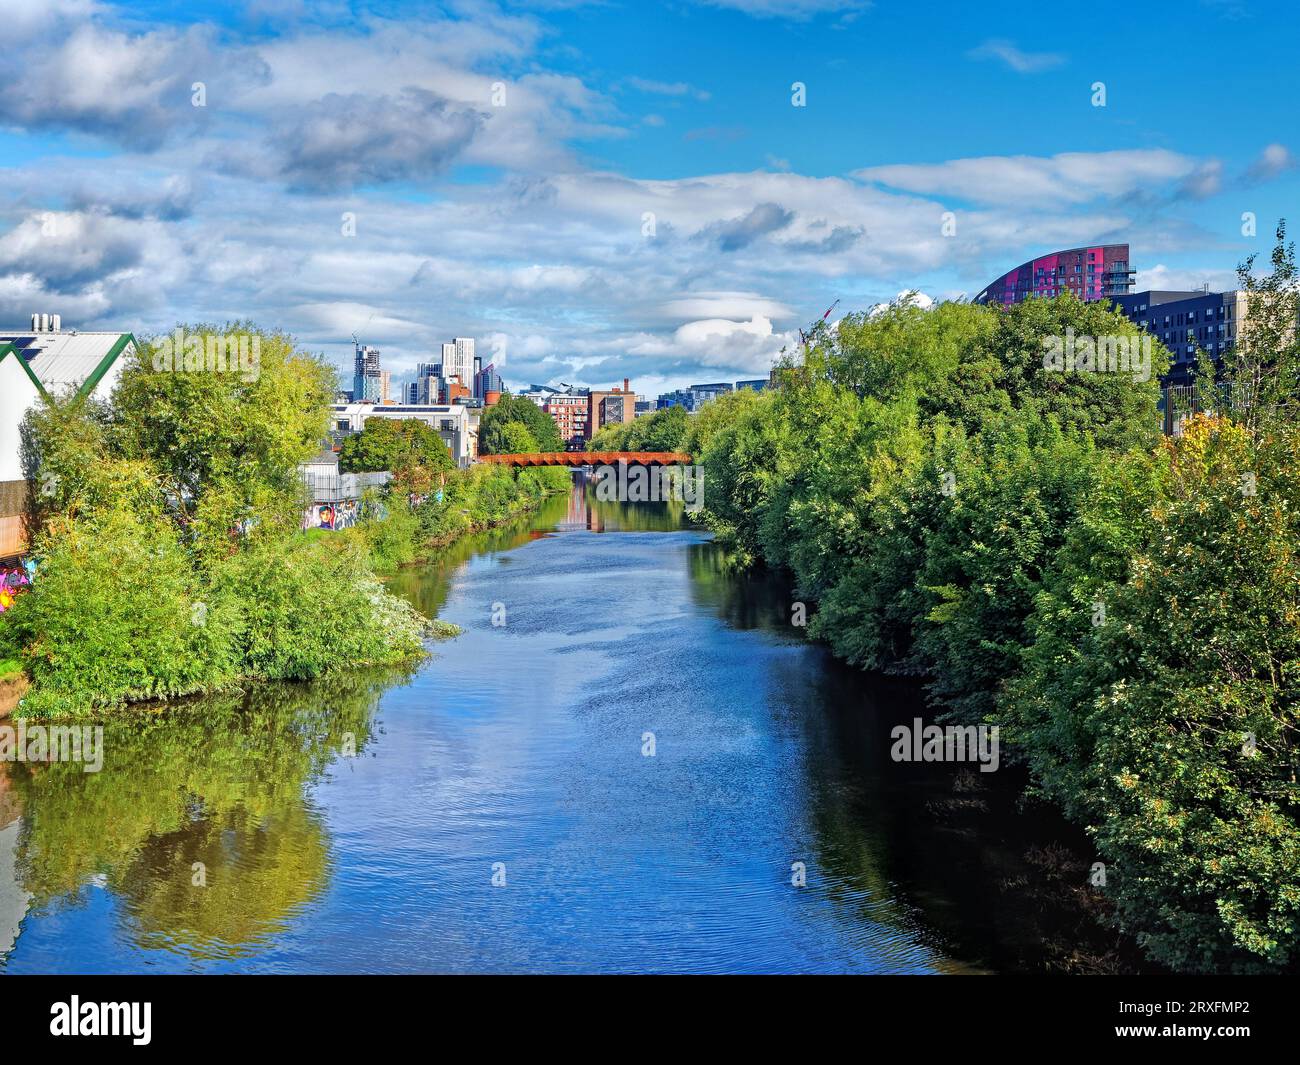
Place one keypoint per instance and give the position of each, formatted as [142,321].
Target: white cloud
[1275,159]
[1068,178]
[798,10]
[1017,60]
[1173,279]
[236,213]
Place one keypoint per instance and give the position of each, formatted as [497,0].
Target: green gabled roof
[114,353]
[92,380]
[8,349]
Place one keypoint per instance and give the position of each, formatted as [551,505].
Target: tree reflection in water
[200,820]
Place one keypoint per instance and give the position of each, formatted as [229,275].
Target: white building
[452,423]
[458,360]
[46,362]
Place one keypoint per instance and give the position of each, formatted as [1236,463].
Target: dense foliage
[168,545]
[1126,607]
[664,430]
[497,437]
[391,444]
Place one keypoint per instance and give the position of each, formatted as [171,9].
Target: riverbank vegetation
[429,502]
[169,546]
[1125,606]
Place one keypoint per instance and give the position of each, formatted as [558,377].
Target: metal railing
[1180,402]
[333,488]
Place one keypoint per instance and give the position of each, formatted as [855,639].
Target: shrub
[1171,726]
[112,618]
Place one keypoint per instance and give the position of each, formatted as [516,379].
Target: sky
[621,189]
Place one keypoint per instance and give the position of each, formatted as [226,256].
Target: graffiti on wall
[341,515]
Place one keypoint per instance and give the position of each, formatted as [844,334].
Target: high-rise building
[487,380]
[458,360]
[367,382]
[428,382]
[1095,273]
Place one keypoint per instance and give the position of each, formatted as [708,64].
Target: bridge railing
[589,458]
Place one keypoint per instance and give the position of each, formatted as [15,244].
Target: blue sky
[644,200]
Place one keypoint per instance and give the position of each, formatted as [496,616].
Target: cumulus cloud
[738,233]
[747,346]
[86,259]
[82,72]
[1205,180]
[1162,277]
[340,142]
[234,213]
[909,298]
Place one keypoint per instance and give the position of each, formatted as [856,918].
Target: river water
[623,764]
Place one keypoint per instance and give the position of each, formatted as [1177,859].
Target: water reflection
[951,854]
[199,823]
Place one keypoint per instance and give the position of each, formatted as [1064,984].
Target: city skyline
[671,213]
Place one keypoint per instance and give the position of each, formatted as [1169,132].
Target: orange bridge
[590,458]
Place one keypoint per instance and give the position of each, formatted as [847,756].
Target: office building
[487,380]
[458,360]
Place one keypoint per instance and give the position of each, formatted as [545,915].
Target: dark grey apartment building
[1185,322]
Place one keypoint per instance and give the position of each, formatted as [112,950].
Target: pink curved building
[1089,273]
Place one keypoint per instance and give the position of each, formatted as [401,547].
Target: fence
[337,487]
[1179,402]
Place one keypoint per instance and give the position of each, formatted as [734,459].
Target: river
[629,761]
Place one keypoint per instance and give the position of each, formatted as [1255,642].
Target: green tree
[226,445]
[393,445]
[1159,703]
[1264,361]
[492,435]
[169,546]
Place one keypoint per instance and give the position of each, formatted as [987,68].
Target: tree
[515,409]
[515,439]
[395,445]
[1264,362]
[1159,700]
[226,444]
[169,540]
[664,430]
